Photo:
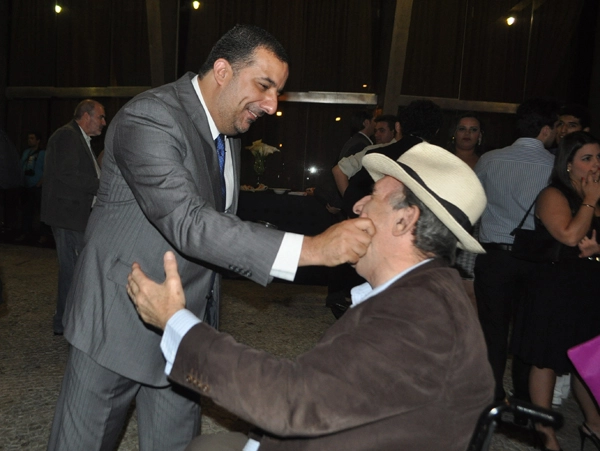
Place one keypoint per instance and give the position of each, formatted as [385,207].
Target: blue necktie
[220,144]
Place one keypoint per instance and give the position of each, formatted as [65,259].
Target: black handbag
[534,245]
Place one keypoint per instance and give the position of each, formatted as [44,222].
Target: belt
[496,246]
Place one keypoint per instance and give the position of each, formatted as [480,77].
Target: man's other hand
[156,303]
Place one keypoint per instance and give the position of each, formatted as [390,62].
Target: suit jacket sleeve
[386,365]
[172,170]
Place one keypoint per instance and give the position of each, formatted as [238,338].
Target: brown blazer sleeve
[381,360]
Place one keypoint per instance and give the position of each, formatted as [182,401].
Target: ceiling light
[510,20]
[196,4]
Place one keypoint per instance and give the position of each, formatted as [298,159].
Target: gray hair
[432,237]
[85,106]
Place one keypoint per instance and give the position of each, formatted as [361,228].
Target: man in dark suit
[404,369]
[170,180]
[71,176]
[363,127]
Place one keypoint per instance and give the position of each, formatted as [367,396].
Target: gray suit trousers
[104,413]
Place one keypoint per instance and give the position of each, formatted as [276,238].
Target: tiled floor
[284,319]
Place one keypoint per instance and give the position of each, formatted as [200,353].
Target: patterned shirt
[512,178]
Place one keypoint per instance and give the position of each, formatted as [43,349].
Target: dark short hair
[389,119]
[37,135]
[567,149]
[85,106]
[358,118]
[535,114]
[576,110]
[238,45]
[432,237]
[421,118]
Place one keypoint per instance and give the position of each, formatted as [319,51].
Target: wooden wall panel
[329,43]
[433,57]
[464,49]
[495,58]
[555,27]
[458,49]
[127,39]
[32,46]
[83,52]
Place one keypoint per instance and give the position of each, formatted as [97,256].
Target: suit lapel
[75,126]
[191,104]
[235,146]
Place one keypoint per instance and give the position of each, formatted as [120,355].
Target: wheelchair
[514,412]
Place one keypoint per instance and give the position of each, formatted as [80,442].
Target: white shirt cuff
[251,445]
[177,326]
[349,166]
[288,256]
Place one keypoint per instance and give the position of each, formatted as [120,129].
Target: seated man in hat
[405,368]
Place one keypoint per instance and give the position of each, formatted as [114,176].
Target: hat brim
[379,166]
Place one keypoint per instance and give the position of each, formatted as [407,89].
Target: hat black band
[456,212]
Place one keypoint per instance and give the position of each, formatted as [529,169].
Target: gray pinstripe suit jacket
[159,190]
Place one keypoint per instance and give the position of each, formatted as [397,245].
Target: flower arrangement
[261,151]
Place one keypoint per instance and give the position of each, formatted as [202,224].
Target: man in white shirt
[387,131]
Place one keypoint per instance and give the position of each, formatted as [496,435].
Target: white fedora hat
[442,181]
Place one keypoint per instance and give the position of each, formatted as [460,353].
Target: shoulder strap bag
[534,245]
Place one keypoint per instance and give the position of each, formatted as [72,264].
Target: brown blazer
[405,370]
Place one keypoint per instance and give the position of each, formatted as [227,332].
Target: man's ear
[587,129]
[222,71]
[406,220]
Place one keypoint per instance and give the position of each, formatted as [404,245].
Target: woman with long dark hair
[563,305]
[466,137]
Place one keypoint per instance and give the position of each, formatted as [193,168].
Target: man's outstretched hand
[344,242]
[156,303]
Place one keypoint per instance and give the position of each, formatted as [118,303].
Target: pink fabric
[586,358]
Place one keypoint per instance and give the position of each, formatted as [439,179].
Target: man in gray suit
[169,182]
[71,176]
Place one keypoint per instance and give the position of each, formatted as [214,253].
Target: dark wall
[464,49]
[458,49]
[333,46]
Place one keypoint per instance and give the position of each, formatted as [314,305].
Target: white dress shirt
[288,256]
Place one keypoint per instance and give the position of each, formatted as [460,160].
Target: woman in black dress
[563,305]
